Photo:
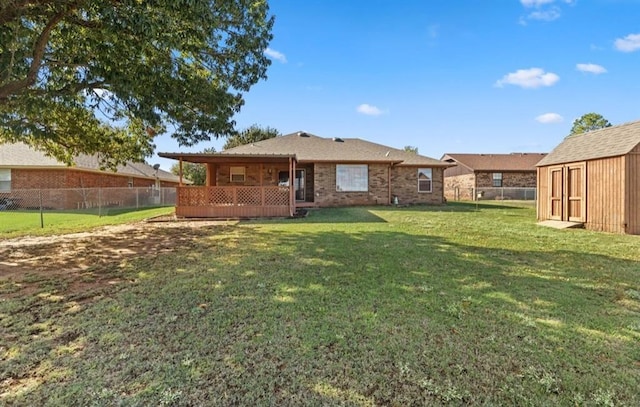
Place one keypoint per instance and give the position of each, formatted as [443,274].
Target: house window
[130,183]
[497,179]
[352,178]
[5,179]
[425,179]
[237,174]
[283,178]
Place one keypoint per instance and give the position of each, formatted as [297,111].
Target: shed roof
[311,148]
[497,162]
[20,155]
[608,142]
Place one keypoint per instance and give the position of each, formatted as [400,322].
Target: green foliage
[411,149]
[252,134]
[589,122]
[196,173]
[95,76]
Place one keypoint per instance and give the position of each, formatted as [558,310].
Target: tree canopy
[196,173]
[107,76]
[589,122]
[411,149]
[251,134]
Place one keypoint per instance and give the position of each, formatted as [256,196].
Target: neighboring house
[254,179]
[594,178]
[24,168]
[514,174]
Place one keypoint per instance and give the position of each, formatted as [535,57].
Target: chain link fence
[499,194]
[86,200]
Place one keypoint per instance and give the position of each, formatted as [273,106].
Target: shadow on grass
[252,316]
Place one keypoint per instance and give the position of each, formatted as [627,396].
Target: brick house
[254,179]
[490,173]
[23,168]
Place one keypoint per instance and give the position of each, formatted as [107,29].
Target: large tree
[251,134]
[107,76]
[194,172]
[589,122]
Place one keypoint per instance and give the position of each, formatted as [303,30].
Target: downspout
[389,184]
[180,171]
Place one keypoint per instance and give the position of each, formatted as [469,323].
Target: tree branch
[39,48]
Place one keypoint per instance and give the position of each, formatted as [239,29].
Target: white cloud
[545,15]
[369,110]
[273,54]
[529,78]
[535,3]
[629,43]
[549,118]
[591,68]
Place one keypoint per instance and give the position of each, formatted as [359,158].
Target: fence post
[41,214]
[137,197]
[99,202]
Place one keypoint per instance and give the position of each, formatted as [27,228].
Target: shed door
[567,186]
[575,193]
[556,201]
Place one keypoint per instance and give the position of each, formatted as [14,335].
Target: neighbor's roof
[608,142]
[496,162]
[20,155]
[311,148]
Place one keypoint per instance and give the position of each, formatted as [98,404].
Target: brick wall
[325,187]
[404,181]
[509,179]
[70,178]
[459,187]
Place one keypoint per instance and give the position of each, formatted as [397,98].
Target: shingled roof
[20,155]
[496,162]
[310,148]
[608,142]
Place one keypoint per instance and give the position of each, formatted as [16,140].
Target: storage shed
[594,178]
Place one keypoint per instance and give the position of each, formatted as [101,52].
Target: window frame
[421,181]
[239,170]
[495,179]
[5,180]
[344,171]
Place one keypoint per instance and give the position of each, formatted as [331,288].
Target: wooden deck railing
[232,201]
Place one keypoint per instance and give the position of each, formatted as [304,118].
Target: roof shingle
[311,148]
[497,162]
[608,142]
[20,155]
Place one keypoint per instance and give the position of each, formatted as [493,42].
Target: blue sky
[464,76]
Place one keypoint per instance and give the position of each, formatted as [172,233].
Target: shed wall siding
[633,192]
[543,194]
[606,195]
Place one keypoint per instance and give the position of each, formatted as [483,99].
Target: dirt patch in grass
[88,261]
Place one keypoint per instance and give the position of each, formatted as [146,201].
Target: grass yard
[355,306]
[22,222]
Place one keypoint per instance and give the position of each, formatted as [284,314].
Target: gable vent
[338,140]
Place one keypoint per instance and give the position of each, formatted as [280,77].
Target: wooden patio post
[292,193]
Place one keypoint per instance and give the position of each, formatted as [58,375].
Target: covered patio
[237,186]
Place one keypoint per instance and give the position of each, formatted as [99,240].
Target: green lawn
[356,307]
[22,222]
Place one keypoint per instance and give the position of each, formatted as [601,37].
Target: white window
[5,179]
[352,178]
[237,174]
[425,179]
[497,179]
